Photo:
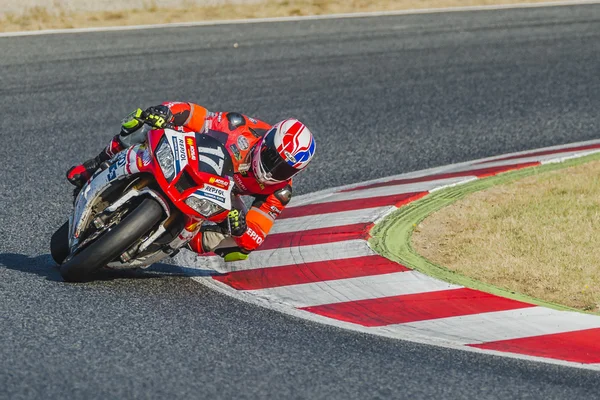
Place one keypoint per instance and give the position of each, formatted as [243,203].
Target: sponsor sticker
[119,162]
[211,196]
[254,236]
[219,182]
[175,148]
[235,151]
[191,148]
[243,168]
[192,227]
[215,190]
[289,156]
[182,152]
[207,126]
[243,143]
[275,210]
[239,183]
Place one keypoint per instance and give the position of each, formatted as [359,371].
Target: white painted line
[500,325]
[463,182]
[302,18]
[353,289]
[389,190]
[525,153]
[280,257]
[300,224]
[569,157]
[555,158]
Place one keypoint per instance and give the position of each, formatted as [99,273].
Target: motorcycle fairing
[124,165]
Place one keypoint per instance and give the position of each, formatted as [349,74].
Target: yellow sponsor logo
[192,227]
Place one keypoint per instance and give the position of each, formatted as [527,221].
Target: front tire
[113,243]
[59,244]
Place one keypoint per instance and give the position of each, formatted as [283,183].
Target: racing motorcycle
[145,204]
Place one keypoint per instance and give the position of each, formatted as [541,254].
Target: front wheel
[59,244]
[113,243]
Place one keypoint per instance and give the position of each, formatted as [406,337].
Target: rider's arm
[261,216]
[189,115]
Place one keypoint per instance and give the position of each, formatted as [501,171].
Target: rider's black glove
[157,116]
[237,222]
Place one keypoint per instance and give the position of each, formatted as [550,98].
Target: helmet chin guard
[286,149]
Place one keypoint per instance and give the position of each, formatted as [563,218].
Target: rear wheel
[59,244]
[113,243]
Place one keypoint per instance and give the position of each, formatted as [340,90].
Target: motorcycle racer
[265,159]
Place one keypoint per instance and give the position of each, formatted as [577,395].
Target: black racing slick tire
[59,244]
[83,266]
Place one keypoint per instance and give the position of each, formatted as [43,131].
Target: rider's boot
[78,175]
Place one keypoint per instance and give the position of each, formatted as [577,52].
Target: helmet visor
[272,162]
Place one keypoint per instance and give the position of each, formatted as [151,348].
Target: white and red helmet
[284,150]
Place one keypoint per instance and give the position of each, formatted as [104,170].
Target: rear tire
[59,244]
[113,243]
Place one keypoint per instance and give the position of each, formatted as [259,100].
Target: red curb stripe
[349,205]
[480,173]
[416,307]
[525,165]
[317,236]
[264,278]
[579,346]
[544,153]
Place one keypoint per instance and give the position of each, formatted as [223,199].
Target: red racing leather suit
[239,134]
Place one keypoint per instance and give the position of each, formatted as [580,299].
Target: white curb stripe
[541,159]
[390,190]
[526,153]
[300,224]
[302,18]
[499,325]
[354,289]
[283,256]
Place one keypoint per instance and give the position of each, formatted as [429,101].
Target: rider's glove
[158,116]
[237,222]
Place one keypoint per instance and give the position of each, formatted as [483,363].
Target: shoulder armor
[284,195]
[235,120]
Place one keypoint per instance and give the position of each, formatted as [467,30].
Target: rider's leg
[216,238]
[78,175]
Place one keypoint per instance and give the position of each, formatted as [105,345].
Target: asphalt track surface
[383,95]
